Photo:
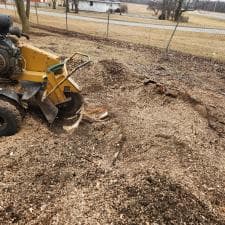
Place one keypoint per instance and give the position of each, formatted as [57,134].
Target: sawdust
[113,72]
[167,136]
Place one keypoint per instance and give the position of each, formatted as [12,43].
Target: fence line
[108,25]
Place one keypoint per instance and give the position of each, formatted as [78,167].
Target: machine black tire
[10,118]
[70,108]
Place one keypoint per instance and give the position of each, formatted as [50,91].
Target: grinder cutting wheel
[33,75]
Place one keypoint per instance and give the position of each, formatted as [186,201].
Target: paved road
[126,23]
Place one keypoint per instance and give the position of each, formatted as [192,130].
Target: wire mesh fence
[203,35]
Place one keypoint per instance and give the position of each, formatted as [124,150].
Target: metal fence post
[67,9]
[110,7]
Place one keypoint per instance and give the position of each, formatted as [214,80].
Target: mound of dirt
[156,199]
[113,72]
[104,74]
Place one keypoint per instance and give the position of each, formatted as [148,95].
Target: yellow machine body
[33,78]
[36,64]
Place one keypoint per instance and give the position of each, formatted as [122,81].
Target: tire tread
[9,108]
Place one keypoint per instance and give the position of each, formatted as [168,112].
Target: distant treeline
[206,5]
[216,6]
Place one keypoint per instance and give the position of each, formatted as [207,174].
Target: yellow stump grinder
[29,75]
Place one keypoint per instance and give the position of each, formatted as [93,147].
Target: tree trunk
[28,9]
[76,3]
[178,10]
[163,14]
[22,14]
[67,6]
[54,4]
[169,8]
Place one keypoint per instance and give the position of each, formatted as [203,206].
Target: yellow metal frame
[36,63]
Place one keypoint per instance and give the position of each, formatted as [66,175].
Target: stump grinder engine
[31,76]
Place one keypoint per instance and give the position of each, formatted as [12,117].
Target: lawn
[200,44]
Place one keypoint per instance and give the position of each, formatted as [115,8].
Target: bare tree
[154,6]
[183,6]
[170,9]
[22,14]
[66,4]
[28,9]
[163,14]
[167,9]
[178,11]
[76,4]
[54,2]
[177,17]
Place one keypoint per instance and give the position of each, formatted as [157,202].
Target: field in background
[139,13]
[137,8]
[159,156]
[202,44]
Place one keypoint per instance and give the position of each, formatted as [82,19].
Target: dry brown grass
[204,21]
[201,44]
[137,8]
